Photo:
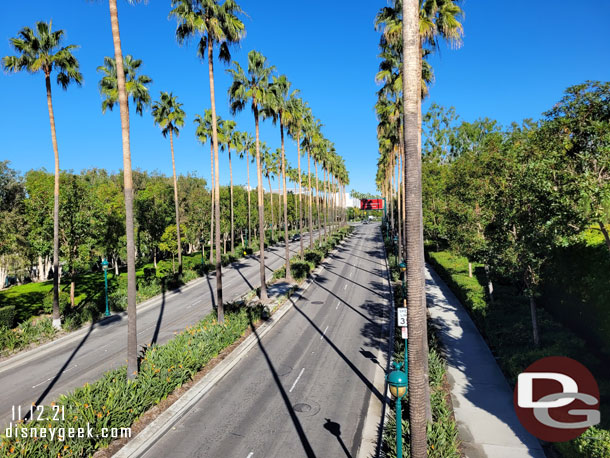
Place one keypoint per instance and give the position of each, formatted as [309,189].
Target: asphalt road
[71,364]
[305,389]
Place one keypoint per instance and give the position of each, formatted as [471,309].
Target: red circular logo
[557,399]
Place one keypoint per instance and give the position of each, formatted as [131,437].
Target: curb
[27,355]
[139,445]
[372,434]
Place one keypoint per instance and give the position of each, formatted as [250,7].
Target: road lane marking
[324,333]
[296,381]
[345,286]
[337,305]
[197,301]
[51,378]
[250,455]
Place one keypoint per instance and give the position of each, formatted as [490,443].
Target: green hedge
[7,316]
[114,402]
[506,326]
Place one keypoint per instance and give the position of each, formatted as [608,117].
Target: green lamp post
[403,269]
[105,267]
[398,381]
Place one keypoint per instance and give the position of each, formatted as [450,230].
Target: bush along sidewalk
[114,402]
[506,327]
[90,304]
[443,438]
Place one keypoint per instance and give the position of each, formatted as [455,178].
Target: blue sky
[517,59]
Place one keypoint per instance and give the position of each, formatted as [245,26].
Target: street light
[403,269]
[398,381]
[202,262]
[105,267]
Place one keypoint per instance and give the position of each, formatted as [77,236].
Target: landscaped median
[443,439]
[113,403]
[506,327]
[30,304]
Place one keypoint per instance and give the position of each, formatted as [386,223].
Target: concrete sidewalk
[481,397]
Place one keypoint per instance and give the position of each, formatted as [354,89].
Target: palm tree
[295,123]
[204,133]
[268,170]
[135,85]
[40,51]
[254,88]
[229,138]
[415,257]
[310,127]
[279,110]
[214,23]
[169,115]
[132,336]
[246,149]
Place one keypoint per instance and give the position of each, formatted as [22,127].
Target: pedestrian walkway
[481,397]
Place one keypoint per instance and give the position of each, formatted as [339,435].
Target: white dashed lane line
[296,381]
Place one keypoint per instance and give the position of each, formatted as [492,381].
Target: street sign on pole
[405,333]
[401,317]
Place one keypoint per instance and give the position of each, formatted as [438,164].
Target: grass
[506,326]
[33,301]
[163,368]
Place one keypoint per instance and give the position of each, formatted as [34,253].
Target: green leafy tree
[166,243]
[532,211]
[12,212]
[39,51]
[153,211]
[580,123]
[169,116]
[77,218]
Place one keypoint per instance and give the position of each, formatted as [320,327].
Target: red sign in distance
[371,204]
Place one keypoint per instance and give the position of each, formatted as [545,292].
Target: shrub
[7,316]
[164,368]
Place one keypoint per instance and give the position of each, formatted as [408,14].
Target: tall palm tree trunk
[272,217]
[310,198]
[56,317]
[171,142]
[415,263]
[213,192]
[315,166]
[261,210]
[249,217]
[286,244]
[279,199]
[219,303]
[231,192]
[300,201]
[132,335]
[325,203]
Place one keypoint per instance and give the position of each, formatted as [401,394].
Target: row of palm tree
[411,30]
[216,26]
